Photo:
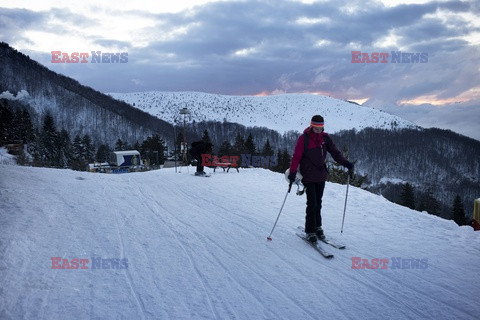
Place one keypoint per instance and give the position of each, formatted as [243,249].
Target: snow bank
[7,158]
[21,95]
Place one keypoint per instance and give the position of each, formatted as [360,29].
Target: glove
[350,168]
[291,177]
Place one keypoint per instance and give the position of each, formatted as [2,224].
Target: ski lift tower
[185,112]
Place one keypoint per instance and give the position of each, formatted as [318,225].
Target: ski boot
[319,233]
[311,237]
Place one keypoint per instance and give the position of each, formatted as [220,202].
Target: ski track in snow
[182,245]
[393,282]
[229,255]
[197,249]
[128,276]
[200,202]
[199,238]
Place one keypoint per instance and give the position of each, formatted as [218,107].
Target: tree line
[427,202]
[48,146]
[440,163]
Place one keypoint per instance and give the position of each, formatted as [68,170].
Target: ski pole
[345,207]
[269,238]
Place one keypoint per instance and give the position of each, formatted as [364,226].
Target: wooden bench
[224,166]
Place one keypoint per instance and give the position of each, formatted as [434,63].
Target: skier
[310,153]
[198,148]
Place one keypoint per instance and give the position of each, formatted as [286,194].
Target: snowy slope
[197,249]
[282,112]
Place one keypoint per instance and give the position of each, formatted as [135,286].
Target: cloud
[266,41]
[459,117]
[261,45]
[247,47]
[14,21]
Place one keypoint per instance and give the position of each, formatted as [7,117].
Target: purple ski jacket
[312,163]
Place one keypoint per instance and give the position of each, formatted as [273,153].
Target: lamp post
[184,112]
[175,143]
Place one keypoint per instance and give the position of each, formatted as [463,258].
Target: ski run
[166,245]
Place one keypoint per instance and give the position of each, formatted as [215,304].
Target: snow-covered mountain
[24,83]
[282,112]
[166,245]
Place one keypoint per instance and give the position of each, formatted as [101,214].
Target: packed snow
[186,247]
[283,112]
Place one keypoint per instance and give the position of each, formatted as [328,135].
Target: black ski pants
[313,218]
[199,162]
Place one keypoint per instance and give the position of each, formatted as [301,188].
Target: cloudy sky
[268,47]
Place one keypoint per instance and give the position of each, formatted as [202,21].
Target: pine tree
[407,198]
[88,148]
[27,134]
[239,145]
[64,149]
[119,145]
[287,158]
[17,128]
[283,161]
[78,161]
[34,148]
[267,149]
[153,149]
[77,148]
[458,211]
[206,137]
[428,203]
[250,145]
[103,153]
[225,149]
[136,146]
[6,122]
[48,142]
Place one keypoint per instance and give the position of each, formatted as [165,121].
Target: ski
[333,244]
[316,246]
[204,175]
[329,241]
